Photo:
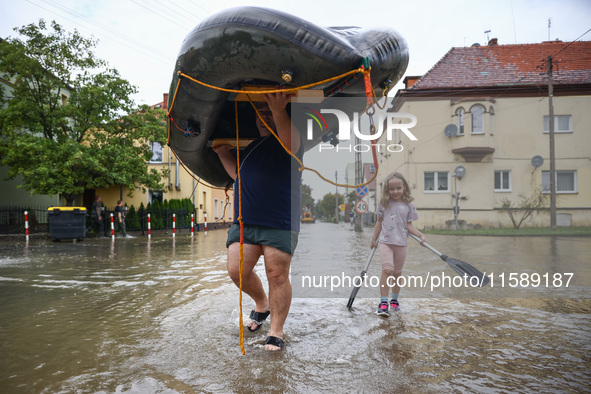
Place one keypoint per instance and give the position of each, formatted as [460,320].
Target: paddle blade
[355,290]
[352,297]
[464,269]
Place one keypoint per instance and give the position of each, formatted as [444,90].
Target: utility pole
[336,197]
[552,153]
[359,179]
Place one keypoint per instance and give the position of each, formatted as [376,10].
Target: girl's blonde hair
[385,199]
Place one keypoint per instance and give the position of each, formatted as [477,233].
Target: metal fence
[12,219]
[160,219]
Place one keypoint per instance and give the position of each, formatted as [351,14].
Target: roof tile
[504,65]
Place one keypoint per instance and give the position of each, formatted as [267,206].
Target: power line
[101,26]
[572,42]
[179,19]
[188,11]
[109,33]
[158,14]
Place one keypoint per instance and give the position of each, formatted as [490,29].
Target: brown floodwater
[161,316]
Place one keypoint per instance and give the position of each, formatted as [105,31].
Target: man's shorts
[284,240]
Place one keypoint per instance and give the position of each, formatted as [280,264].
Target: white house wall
[515,131]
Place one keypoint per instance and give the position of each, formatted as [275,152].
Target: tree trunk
[70,199]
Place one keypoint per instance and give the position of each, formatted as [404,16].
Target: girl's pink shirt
[394,219]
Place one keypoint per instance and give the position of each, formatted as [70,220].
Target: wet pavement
[161,316]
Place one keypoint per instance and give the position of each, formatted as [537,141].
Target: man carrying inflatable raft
[238,77]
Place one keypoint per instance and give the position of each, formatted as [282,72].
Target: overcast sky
[141,38]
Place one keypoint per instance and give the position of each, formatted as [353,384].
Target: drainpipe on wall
[169,165]
[178,181]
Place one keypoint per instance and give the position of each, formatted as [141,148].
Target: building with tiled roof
[495,68]
[485,109]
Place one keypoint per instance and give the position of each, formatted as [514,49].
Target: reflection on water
[161,316]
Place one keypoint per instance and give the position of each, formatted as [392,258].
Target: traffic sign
[362,191]
[361,207]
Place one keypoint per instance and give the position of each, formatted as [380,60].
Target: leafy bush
[527,205]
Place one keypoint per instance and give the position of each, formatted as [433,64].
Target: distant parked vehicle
[308,218]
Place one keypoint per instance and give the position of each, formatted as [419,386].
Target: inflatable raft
[250,47]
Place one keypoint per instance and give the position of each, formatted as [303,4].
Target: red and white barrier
[27,225]
[205,223]
[173,224]
[192,224]
[112,228]
[149,228]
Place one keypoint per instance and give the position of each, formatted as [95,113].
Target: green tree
[95,138]
[132,220]
[326,207]
[352,197]
[307,199]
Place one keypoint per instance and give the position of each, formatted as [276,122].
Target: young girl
[395,215]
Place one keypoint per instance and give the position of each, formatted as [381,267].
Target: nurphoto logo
[334,120]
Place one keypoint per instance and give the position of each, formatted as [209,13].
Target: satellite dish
[537,161]
[450,130]
[459,172]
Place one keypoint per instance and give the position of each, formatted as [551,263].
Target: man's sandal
[257,318]
[275,341]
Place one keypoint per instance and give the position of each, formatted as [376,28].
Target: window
[477,114]
[562,124]
[156,153]
[154,196]
[460,112]
[216,208]
[436,181]
[503,181]
[566,182]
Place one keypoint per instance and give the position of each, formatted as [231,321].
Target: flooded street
[161,316]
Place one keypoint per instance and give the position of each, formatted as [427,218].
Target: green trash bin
[67,222]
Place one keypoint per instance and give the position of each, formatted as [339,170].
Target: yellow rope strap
[302,166]
[292,89]
[170,121]
[370,96]
[241,337]
[365,72]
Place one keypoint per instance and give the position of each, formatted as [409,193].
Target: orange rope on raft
[241,338]
[292,89]
[303,167]
[370,94]
[370,100]
[171,120]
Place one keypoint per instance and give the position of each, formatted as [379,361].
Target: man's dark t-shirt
[271,185]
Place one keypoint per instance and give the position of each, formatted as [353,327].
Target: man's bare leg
[277,265]
[251,283]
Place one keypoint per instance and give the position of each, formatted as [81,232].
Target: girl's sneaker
[394,305]
[383,309]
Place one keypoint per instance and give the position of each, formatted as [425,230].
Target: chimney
[165,102]
[492,41]
[409,81]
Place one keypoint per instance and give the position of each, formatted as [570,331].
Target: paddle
[461,267]
[362,275]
